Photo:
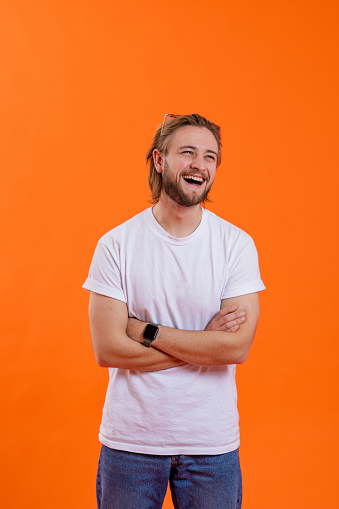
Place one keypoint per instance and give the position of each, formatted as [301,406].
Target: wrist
[149,334]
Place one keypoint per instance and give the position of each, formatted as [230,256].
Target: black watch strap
[150,333]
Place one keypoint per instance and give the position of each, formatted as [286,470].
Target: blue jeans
[127,480]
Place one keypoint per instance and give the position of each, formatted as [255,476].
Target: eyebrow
[195,148]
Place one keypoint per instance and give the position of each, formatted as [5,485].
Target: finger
[230,317]
[226,310]
[234,328]
[233,323]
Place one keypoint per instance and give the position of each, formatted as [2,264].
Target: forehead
[199,137]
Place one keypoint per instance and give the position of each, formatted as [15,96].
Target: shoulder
[124,230]
[231,233]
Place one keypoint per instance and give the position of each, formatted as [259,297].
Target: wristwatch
[150,333]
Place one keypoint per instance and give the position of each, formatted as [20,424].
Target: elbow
[107,358]
[103,357]
[235,357]
[242,352]
[102,361]
[238,354]
[241,357]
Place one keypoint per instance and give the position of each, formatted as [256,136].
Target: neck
[176,220]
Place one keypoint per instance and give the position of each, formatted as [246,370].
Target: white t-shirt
[176,282]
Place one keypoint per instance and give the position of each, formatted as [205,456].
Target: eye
[187,152]
[211,157]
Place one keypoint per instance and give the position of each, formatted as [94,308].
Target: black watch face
[150,331]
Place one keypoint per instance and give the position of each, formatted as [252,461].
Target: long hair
[161,141]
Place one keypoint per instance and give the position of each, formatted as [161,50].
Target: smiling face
[188,169]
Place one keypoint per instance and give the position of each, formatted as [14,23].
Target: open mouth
[193,179]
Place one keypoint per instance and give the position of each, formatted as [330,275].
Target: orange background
[83,86]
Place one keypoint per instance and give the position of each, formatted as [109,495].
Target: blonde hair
[161,141]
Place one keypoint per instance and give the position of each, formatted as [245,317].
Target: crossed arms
[117,339]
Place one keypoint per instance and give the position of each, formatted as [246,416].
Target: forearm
[123,353]
[204,348]
[111,344]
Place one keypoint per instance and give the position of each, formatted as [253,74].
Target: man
[173,308]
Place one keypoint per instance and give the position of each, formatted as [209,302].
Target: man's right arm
[112,347]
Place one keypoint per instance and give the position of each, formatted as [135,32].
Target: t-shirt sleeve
[104,274]
[243,275]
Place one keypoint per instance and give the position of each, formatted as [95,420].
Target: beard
[174,190]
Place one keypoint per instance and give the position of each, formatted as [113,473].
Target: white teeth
[199,179]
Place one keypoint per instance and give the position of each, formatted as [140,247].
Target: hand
[227,319]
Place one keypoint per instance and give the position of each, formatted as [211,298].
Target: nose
[198,163]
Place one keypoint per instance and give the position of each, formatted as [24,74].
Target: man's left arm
[210,347]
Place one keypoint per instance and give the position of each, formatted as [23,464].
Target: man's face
[190,165]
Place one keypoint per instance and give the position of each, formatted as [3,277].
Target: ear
[158,161]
